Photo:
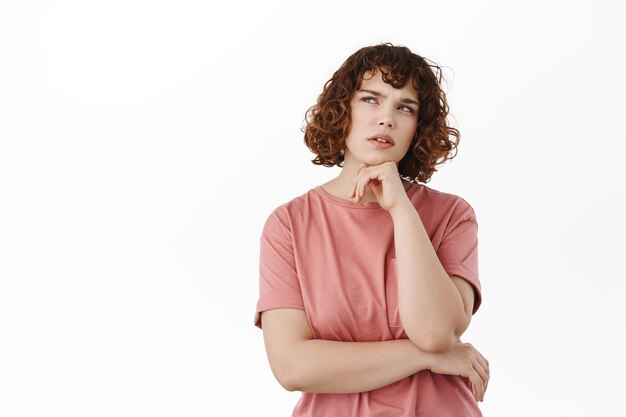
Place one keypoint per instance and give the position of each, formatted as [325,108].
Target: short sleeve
[458,251]
[279,286]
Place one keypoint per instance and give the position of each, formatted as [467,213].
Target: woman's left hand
[385,182]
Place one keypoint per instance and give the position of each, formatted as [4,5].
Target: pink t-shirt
[335,259]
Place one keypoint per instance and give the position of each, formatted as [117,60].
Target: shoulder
[455,206]
[283,217]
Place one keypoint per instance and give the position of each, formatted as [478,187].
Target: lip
[383,136]
[380,145]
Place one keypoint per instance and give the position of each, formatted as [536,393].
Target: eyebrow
[378,94]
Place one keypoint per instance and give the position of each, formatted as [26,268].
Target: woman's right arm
[301,363]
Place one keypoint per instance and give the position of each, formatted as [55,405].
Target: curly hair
[328,122]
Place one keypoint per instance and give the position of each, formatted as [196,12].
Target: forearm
[429,303]
[327,366]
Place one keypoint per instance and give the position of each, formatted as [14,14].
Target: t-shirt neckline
[346,203]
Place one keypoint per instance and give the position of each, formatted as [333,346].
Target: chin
[373,158]
[377,160]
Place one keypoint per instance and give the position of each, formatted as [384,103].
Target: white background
[144,143]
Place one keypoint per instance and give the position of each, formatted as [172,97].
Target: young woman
[368,281]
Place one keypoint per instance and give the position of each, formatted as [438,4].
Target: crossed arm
[435,310]
[301,363]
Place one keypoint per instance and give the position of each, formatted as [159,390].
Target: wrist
[405,207]
[424,360]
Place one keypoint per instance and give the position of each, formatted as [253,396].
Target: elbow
[287,383]
[300,378]
[441,344]
[285,371]
[289,386]
[296,374]
[435,343]
[288,378]
[436,339]
[290,368]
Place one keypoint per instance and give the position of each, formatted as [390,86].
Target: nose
[386,118]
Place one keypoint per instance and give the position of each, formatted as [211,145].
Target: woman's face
[378,108]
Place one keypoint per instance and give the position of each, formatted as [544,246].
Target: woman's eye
[366,100]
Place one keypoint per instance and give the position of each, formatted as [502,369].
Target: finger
[483,358]
[365,179]
[362,178]
[485,364]
[355,182]
[474,378]
[483,377]
[359,180]
[478,385]
[361,188]
[486,368]
[359,169]
[480,366]
[363,184]
[474,375]
[475,390]
[481,355]
[355,189]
